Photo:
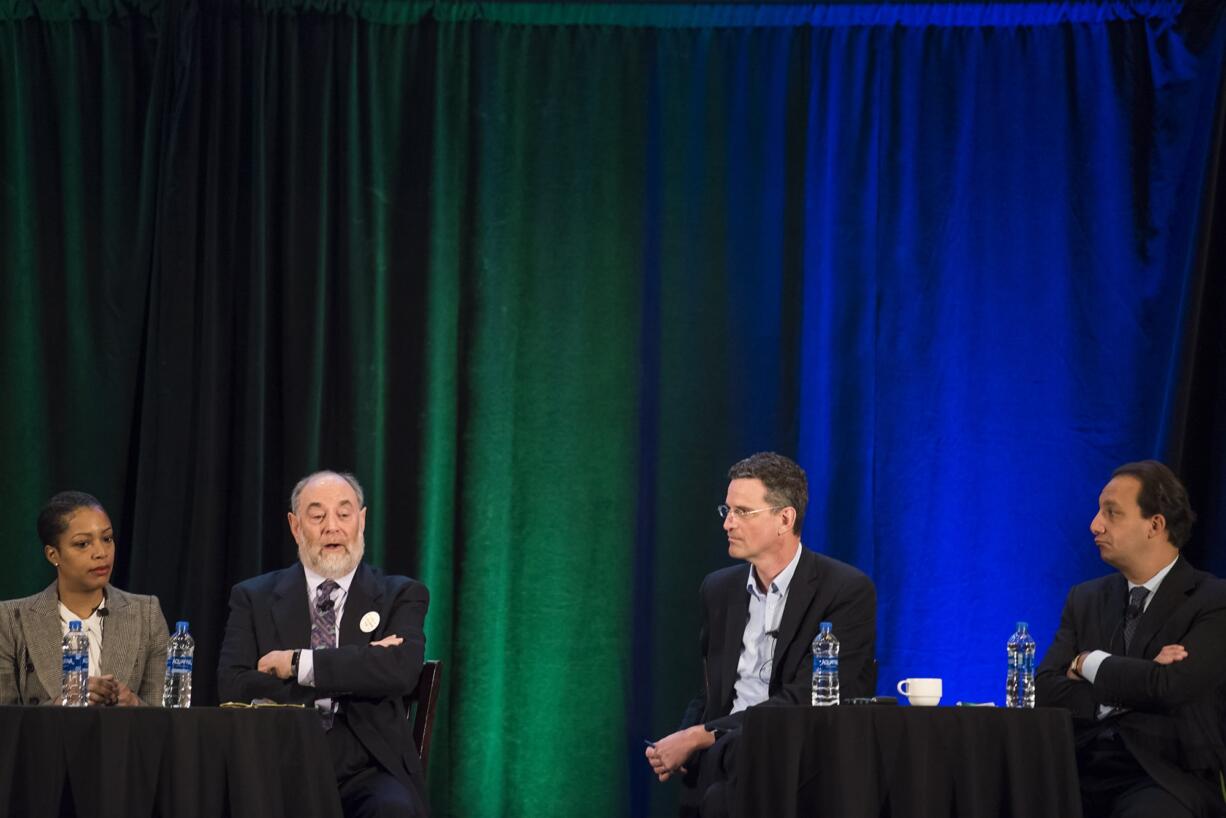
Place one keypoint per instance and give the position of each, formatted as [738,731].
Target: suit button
[34,700]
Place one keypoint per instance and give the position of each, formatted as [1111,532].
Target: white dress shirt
[306,660]
[1094,659]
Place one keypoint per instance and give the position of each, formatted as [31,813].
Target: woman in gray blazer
[127,632]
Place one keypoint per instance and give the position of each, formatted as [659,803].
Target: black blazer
[1174,722]
[270,612]
[822,589]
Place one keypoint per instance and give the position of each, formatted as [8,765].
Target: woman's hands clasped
[107,691]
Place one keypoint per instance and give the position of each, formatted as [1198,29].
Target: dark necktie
[323,628]
[1136,605]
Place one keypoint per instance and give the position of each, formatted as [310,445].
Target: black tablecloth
[129,762]
[906,762]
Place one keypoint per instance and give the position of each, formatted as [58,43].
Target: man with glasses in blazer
[758,625]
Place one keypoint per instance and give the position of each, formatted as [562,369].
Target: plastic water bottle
[76,666]
[825,668]
[178,689]
[1019,683]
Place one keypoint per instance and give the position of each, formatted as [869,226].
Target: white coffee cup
[921,692]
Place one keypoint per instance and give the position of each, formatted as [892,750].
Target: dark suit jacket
[1174,722]
[134,637]
[822,589]
[271,612]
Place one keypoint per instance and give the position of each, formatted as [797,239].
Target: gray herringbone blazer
[134,637]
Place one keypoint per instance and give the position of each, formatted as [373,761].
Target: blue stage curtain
[1000,234]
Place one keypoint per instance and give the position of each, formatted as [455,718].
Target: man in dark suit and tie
[333,633]
[758,625]
[1140,659]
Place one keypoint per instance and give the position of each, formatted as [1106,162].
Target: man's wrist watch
[293,665]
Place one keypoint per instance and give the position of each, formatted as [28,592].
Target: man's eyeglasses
[741,513]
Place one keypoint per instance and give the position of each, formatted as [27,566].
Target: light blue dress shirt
[761,632]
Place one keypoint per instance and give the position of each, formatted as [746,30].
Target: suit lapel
[40,621]
[1170,595]
[120,631]
[801,592]
[291,609]
[1111,613]
[365,595]
[737,612]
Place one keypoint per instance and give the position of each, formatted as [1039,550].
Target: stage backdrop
[539,273]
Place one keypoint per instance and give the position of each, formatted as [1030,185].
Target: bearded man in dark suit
[1140,658]
[333,633]
[758,625]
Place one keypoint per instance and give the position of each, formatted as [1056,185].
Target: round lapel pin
[370,621]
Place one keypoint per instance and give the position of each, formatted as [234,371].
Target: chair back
[421,706]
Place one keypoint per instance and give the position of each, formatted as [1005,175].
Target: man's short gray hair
[296,494]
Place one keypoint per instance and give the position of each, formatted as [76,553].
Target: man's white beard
[337,565]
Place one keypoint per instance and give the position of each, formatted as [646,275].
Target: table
[906,762]
[129,762]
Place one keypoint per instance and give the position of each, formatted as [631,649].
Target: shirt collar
[781,582]
[1152,584]
[93,622]
[314,580]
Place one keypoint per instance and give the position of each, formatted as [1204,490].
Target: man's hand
[669,754]
[276,663]
[658,765]
[1170,654]
[1074,668]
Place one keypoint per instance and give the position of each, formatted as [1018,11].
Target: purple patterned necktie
[323,617]
[323,628]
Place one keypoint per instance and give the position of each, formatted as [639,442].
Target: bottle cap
[181,626]
[74,625]
[1021,626]
[826,626]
